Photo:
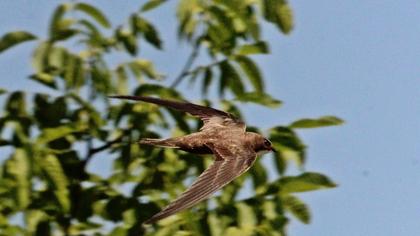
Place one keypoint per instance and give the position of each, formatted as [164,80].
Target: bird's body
[223,135]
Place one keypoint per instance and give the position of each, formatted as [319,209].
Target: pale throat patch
[262,152]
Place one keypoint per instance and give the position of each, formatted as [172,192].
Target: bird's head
[259,143]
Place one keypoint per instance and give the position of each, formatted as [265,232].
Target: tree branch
[92,151]
[195,70]
[108,144]
[185,71]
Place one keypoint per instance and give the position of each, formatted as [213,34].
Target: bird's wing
[211,117]
[228,165]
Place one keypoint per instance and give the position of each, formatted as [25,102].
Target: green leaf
[155,89]
[279,13]
[63,34]
[58,25]
[95,117]
[221,15]
[298,208]
[260,47]
[40,57]
[259,175]
[51,134]
[259,98]
[74,72]
[92,29]
[288,144]
[271,209]
[19,168]
[129,217]
[151,4]
[58,15]
[70,71]
[215,224]
[308,181]
[101,78]
[246,216]
[235,231]
[145,67]
[279,162]
[128,41]
[86,105]
[252,71]
[319,122]
[14,38]
[49,114]
[121,80]
[58,180]
[221,36]
[3,91]
[187,22]
[94,13]
[45,79]
[57,58]
[33,218]
[15,104]
[143,27]
[86,226]
[285,18]
[229,77]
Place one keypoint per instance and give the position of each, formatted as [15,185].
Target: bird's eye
[267,143]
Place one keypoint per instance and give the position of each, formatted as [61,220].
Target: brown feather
[211,117]
[226,168]
[222,134]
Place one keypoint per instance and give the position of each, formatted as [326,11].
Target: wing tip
[158,216]
[148,222]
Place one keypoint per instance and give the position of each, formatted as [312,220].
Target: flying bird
[223,135]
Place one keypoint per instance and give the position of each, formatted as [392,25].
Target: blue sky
[356,59]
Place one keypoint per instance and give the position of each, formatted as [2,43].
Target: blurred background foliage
[52,136]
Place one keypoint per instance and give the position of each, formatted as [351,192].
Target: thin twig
[185,71]
[90,97]
[108,144]
[195,70]
[93,151]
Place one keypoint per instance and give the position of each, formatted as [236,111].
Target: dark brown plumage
[223,135]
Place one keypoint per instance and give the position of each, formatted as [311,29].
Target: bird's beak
[273,150]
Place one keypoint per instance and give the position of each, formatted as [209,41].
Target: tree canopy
[51,137]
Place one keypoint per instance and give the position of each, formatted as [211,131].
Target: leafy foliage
[53,137]
[13,38]
[313,123]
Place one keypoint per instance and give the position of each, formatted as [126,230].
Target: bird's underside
[222,135]
[223,170]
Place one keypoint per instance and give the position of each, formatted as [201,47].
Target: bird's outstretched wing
[210,116]
[194,109]
[228,165]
